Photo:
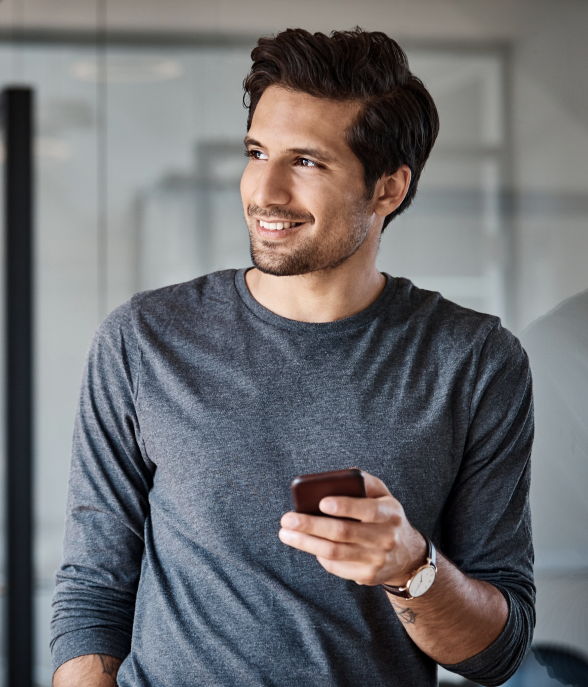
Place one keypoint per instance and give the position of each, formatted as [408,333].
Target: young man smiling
[201,402]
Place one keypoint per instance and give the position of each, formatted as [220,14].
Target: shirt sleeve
[109,483]
[487,520]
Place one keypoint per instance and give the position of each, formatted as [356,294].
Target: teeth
[276,226]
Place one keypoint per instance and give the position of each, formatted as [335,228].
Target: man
[202,401]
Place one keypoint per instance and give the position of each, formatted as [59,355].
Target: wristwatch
[421,579]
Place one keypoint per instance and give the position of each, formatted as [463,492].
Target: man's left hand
[378,545]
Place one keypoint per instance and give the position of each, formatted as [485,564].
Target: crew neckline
[357,321]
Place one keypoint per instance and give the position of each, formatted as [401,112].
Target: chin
[281,268]
[294,265]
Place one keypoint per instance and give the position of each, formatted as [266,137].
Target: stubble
[311,253]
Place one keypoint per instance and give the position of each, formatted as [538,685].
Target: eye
[305,162]
[255,155]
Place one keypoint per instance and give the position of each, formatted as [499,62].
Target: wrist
[421,579]
[416,557]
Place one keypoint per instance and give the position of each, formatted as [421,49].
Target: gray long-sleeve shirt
[198,407]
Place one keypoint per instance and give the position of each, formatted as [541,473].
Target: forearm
[456,619]
[93,670]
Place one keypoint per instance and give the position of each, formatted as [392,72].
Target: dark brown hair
[398,121]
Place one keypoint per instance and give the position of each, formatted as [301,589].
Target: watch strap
[397,591]
[431,561]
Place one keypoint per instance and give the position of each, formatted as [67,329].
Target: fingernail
[328,506]
[286,535]
[289,520]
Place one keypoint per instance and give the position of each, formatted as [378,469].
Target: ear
[391,190]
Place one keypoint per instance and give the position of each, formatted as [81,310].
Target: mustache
[283,214]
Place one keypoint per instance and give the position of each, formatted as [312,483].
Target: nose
[269,185]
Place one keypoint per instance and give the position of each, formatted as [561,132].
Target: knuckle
[332,551]
[395,520]
[389,541]
[343,530]
[379,561]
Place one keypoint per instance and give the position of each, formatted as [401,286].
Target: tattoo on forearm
[110,665]
[406,615]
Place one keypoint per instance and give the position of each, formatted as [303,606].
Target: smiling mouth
[278,226]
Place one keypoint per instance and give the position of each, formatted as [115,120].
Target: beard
[312,253]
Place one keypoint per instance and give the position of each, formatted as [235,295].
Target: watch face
[422,581]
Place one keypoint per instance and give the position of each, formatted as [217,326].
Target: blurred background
[138,154]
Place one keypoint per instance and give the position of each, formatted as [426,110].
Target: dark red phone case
[308,490]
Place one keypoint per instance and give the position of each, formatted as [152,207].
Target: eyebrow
[316,153]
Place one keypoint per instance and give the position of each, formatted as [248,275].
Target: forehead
[291,119]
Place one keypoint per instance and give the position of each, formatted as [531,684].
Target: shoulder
[431,309]
[196,297]
[122,339]
[449,328]
[124,327]
[116,329]
[457,346]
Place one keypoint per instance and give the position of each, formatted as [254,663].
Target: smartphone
[308,490]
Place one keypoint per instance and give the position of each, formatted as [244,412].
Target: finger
[384,509]
[324,548]
[349,570]
[340,530]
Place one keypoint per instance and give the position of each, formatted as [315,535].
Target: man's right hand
[93,670]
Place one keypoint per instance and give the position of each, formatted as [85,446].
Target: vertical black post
[17,105]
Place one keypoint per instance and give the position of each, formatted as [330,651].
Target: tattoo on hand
[110,665]
[406,615]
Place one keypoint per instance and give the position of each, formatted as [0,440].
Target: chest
[229,432]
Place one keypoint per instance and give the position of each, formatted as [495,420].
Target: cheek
[318,196]
[334,194]
[336,203]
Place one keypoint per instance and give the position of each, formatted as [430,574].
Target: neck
[323,296]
